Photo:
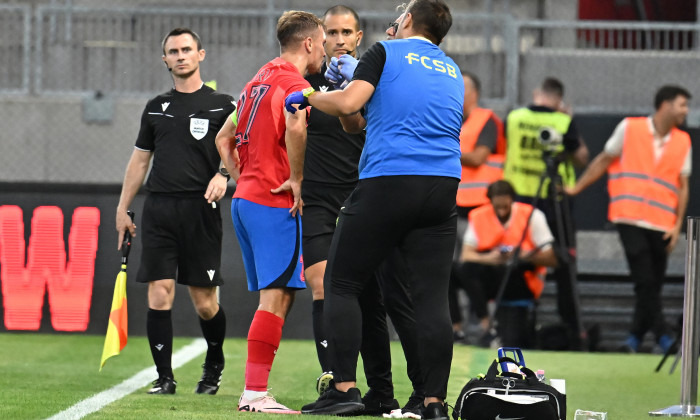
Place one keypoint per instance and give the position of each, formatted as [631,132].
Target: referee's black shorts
[322,203]
[180,239]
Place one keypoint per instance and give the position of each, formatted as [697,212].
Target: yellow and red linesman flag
[118,327]
[118,324]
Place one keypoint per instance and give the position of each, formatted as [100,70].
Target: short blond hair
[294,26]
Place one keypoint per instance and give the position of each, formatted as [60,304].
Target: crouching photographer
[506,248]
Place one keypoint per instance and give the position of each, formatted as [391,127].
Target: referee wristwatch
[225,173]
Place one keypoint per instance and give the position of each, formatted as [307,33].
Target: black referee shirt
[180,129]
[332,155]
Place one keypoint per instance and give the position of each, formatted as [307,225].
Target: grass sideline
[43,374]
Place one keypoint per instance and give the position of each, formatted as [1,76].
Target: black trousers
[482,283]
[417,215]
[645,250]
[389,295]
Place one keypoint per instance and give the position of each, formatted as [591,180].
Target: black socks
[214,331]
[320,335]
[159,328]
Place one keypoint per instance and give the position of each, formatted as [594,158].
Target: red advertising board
[68,281]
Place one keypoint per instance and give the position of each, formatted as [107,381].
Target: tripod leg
[499,294]
[673,346]
[565,236]
[661,363]
[675,362]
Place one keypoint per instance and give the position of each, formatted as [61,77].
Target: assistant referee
[181,218]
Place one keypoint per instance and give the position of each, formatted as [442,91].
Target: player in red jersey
[267,163]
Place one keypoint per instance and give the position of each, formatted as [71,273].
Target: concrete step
[609,304]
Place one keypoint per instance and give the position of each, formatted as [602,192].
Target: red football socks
[263,340]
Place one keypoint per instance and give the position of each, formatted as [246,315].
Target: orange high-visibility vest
[640,187]
[490,234]
[472,187]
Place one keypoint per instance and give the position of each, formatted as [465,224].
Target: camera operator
[529,152]
[493,235]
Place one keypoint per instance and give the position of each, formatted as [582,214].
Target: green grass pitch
[41,375]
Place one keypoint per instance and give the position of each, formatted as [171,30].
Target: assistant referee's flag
[118,325]
[117,330]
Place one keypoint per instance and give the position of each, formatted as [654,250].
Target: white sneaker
[264,404]
[398,414]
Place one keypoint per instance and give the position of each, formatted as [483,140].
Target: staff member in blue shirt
[409,171]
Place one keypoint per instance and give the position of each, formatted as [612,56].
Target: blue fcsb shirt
[415,114]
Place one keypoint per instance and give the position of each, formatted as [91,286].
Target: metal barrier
[690,346]
[92,45]
[607,67]
[597,35]
[117,50]
[15,47]
[81,49]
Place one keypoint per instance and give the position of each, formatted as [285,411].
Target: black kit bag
[509,395]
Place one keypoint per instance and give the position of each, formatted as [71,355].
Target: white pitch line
[97,401]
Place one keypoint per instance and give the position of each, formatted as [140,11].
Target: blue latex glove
[300,97]
[333,65]
[332,74]
[333,77]
[346,66]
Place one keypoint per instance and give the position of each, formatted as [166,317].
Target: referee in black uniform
[330,175]
[181,218]
[330,172]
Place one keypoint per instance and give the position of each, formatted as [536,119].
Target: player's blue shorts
[270,240]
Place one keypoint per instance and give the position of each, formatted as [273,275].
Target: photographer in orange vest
[483,147]
[648,160]
[496,230]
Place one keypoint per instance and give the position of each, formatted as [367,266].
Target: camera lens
[549,138]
